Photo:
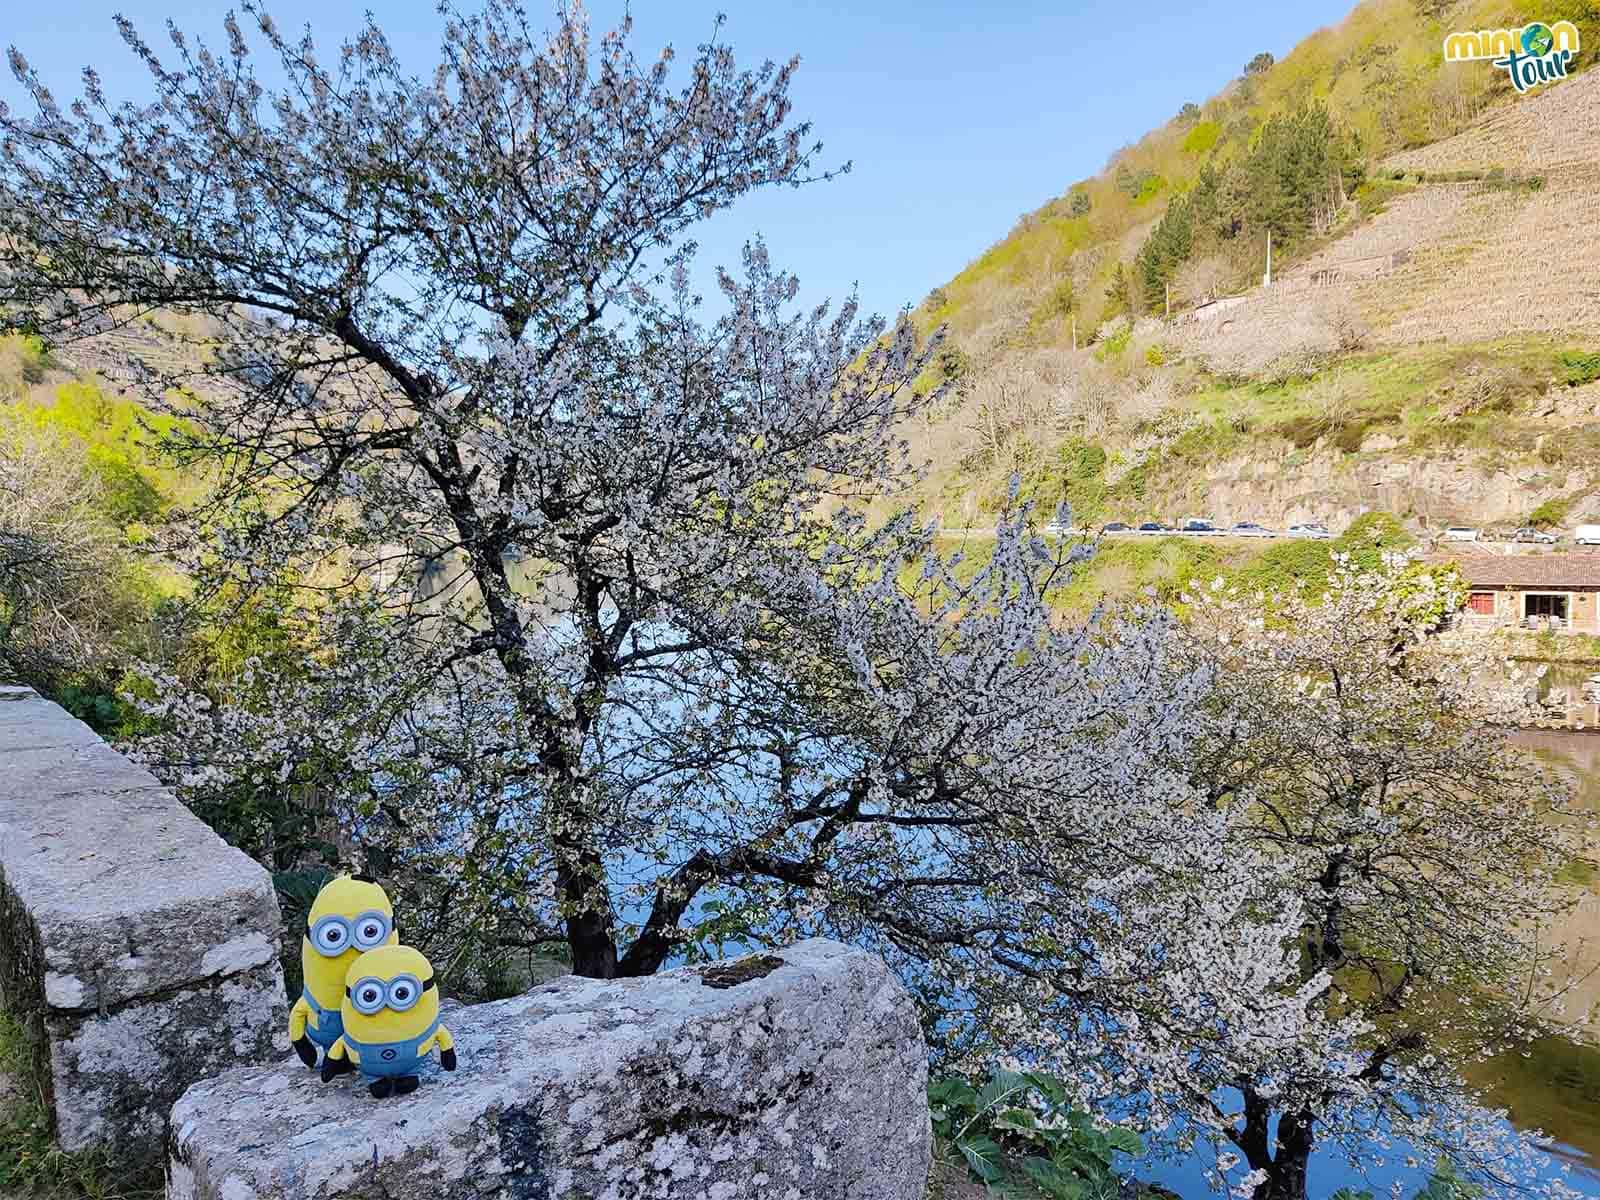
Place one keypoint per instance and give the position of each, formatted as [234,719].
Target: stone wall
[137,949]
[799,1076]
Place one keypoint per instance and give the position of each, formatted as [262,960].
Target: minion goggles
[370,996]
[332,935]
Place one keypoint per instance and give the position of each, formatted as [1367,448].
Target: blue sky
[958,117]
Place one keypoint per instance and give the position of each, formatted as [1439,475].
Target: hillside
[1428,347]
[1428,344]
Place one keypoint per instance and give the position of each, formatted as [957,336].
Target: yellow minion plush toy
[350,916]
[391,1022]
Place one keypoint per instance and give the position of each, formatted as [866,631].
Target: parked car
[1587,535]
[1250,529]
[1309,530]
[1538,536]
[1056,529]
[1117,527]
[1460,533]
[1197,525]
[1155,527]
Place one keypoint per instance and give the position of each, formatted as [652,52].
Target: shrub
[1578,367]
[1350,331]
[1023,1125]
[1372,535]
[1115,341]
[1078,205]
[1349,436]
[1202,137]
[1551,512]
[952,362]
[1278,569]
[1150,186]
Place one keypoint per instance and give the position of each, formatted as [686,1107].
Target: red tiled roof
[1558,571]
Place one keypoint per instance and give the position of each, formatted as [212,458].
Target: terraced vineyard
[1511,252]
[1546,130]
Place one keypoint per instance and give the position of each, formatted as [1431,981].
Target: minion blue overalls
[329,1022]
[390,1060]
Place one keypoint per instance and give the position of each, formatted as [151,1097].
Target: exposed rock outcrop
[797,1076]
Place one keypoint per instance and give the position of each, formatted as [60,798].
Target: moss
[740,970]
[32,1166]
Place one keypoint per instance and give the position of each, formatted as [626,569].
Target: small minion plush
[391,1022]
[350,916]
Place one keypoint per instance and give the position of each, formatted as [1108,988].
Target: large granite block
[800,1076]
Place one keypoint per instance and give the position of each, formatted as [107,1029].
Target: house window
[1538,604]
[1481,603]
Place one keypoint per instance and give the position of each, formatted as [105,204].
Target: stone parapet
[137,949]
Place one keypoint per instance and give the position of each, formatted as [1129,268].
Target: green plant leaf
[1050,1087]
[1021,1121]
[1125,1140]
[983,1157]
[1002,1087]
[1052,1180]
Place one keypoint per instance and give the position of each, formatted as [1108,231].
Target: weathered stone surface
[803,1082]
[135,945]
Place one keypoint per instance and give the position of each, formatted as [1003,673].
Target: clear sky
[958,117]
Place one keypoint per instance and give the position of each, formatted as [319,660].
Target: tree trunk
[1286,1171]
[1285,1163]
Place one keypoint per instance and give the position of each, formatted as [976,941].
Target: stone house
[1537,591]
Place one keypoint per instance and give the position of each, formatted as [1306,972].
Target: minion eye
[403,992]
[367,996]
[330,936]
[371,929]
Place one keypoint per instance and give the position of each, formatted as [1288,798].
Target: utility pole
[1074,331]
[1269,258]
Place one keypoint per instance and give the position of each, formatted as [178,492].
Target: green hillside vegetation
[1481,402]
[1165,568]
[1267,151]
[80,465]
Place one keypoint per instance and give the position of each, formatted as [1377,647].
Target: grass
[1412,393]
[32,1166]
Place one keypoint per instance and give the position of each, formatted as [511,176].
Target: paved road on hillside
[1438,544]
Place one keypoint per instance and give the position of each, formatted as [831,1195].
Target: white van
[1587,535]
